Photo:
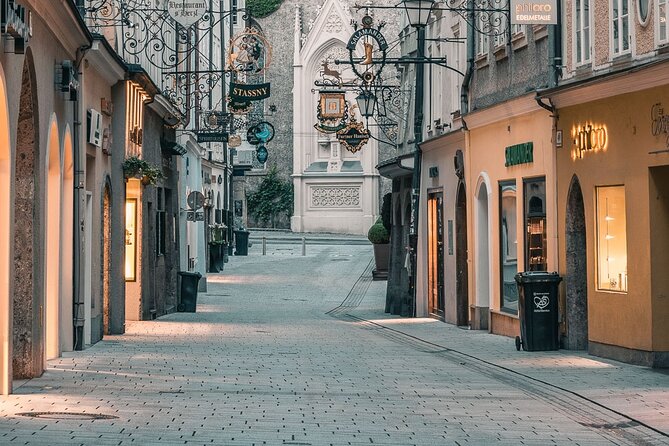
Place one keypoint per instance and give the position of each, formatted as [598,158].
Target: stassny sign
[247,93]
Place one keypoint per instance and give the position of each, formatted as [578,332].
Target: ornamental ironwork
[374,47]
[249,53]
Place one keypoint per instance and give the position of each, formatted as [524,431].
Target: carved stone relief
[335,197]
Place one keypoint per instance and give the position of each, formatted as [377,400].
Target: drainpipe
[79,206]
[464,91]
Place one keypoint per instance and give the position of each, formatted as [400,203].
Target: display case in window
[536,243]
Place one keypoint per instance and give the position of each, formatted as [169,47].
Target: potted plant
[380,238]
[135,167]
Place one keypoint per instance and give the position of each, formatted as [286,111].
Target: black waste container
[241,243]
[538,310]
[189,283]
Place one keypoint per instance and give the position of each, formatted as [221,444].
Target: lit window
[611,239]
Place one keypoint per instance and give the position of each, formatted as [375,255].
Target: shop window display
[535,223]
[508,246]
[611,239]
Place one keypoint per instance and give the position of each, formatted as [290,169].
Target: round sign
[261,154]
[195,200]
[264,131]
[234,141]
[186,12]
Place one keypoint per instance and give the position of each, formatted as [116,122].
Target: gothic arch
[52,259]
[5,241]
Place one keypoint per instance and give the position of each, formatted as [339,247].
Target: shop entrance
[435,254]
[462,286]
[576,280]
[659,252]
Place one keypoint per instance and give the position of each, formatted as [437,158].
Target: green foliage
[273,198]
[386,210]
[134,166]
[262,8]
[378,234]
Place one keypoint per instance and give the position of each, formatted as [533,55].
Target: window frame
[502,258]
[612,26]
[579,49]
[656,13]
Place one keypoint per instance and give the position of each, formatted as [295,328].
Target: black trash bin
[189,283]
[241,243]
[538,310]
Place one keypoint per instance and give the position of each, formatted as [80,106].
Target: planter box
[382,260]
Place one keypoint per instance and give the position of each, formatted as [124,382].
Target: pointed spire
[298,30]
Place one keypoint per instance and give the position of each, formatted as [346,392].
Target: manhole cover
[67,415]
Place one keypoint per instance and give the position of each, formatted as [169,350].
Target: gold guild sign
[353,136]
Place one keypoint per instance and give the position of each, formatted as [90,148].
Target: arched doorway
[67,247]
[106,259]
[462,286]
[28,312]
[576,280]
[482,259]
[52,195]
[5,231]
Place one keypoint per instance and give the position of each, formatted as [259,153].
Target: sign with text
[186,12]
[248,93]
[525,12]
[519,154]
[212,137]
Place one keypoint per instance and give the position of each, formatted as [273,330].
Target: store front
[613,207]
[510,171]
[442,250]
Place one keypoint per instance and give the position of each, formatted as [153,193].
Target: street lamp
[366,101]
[418,12]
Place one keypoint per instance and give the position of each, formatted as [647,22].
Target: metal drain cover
[67,415]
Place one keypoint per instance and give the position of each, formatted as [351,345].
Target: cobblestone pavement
[293,350]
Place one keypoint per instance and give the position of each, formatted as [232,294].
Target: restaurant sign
[186,12]
[527,12]
[353,136]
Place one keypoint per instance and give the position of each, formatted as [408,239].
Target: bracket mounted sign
[205,137]
[353,136]
[375,47]
[186,12]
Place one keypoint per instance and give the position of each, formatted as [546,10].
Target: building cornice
[642,77]
[65,22]
[105,61]
[451,138]
[504,110]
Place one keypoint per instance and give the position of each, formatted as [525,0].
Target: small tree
[273,198]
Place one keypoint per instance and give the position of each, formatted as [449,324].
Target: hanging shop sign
[353,136]
[249,52]
[331,111]
[186,12]
[588,138]
[660,122]
[234,141]
[519,154]
[241,96]
[205,137]
[248,93]
[374,47]
[262,154]
[526,12]
[261,133]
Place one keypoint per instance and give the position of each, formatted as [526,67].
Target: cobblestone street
[293,350]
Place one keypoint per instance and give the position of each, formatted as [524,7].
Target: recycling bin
[189,284]
[241,243]
[538,310]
